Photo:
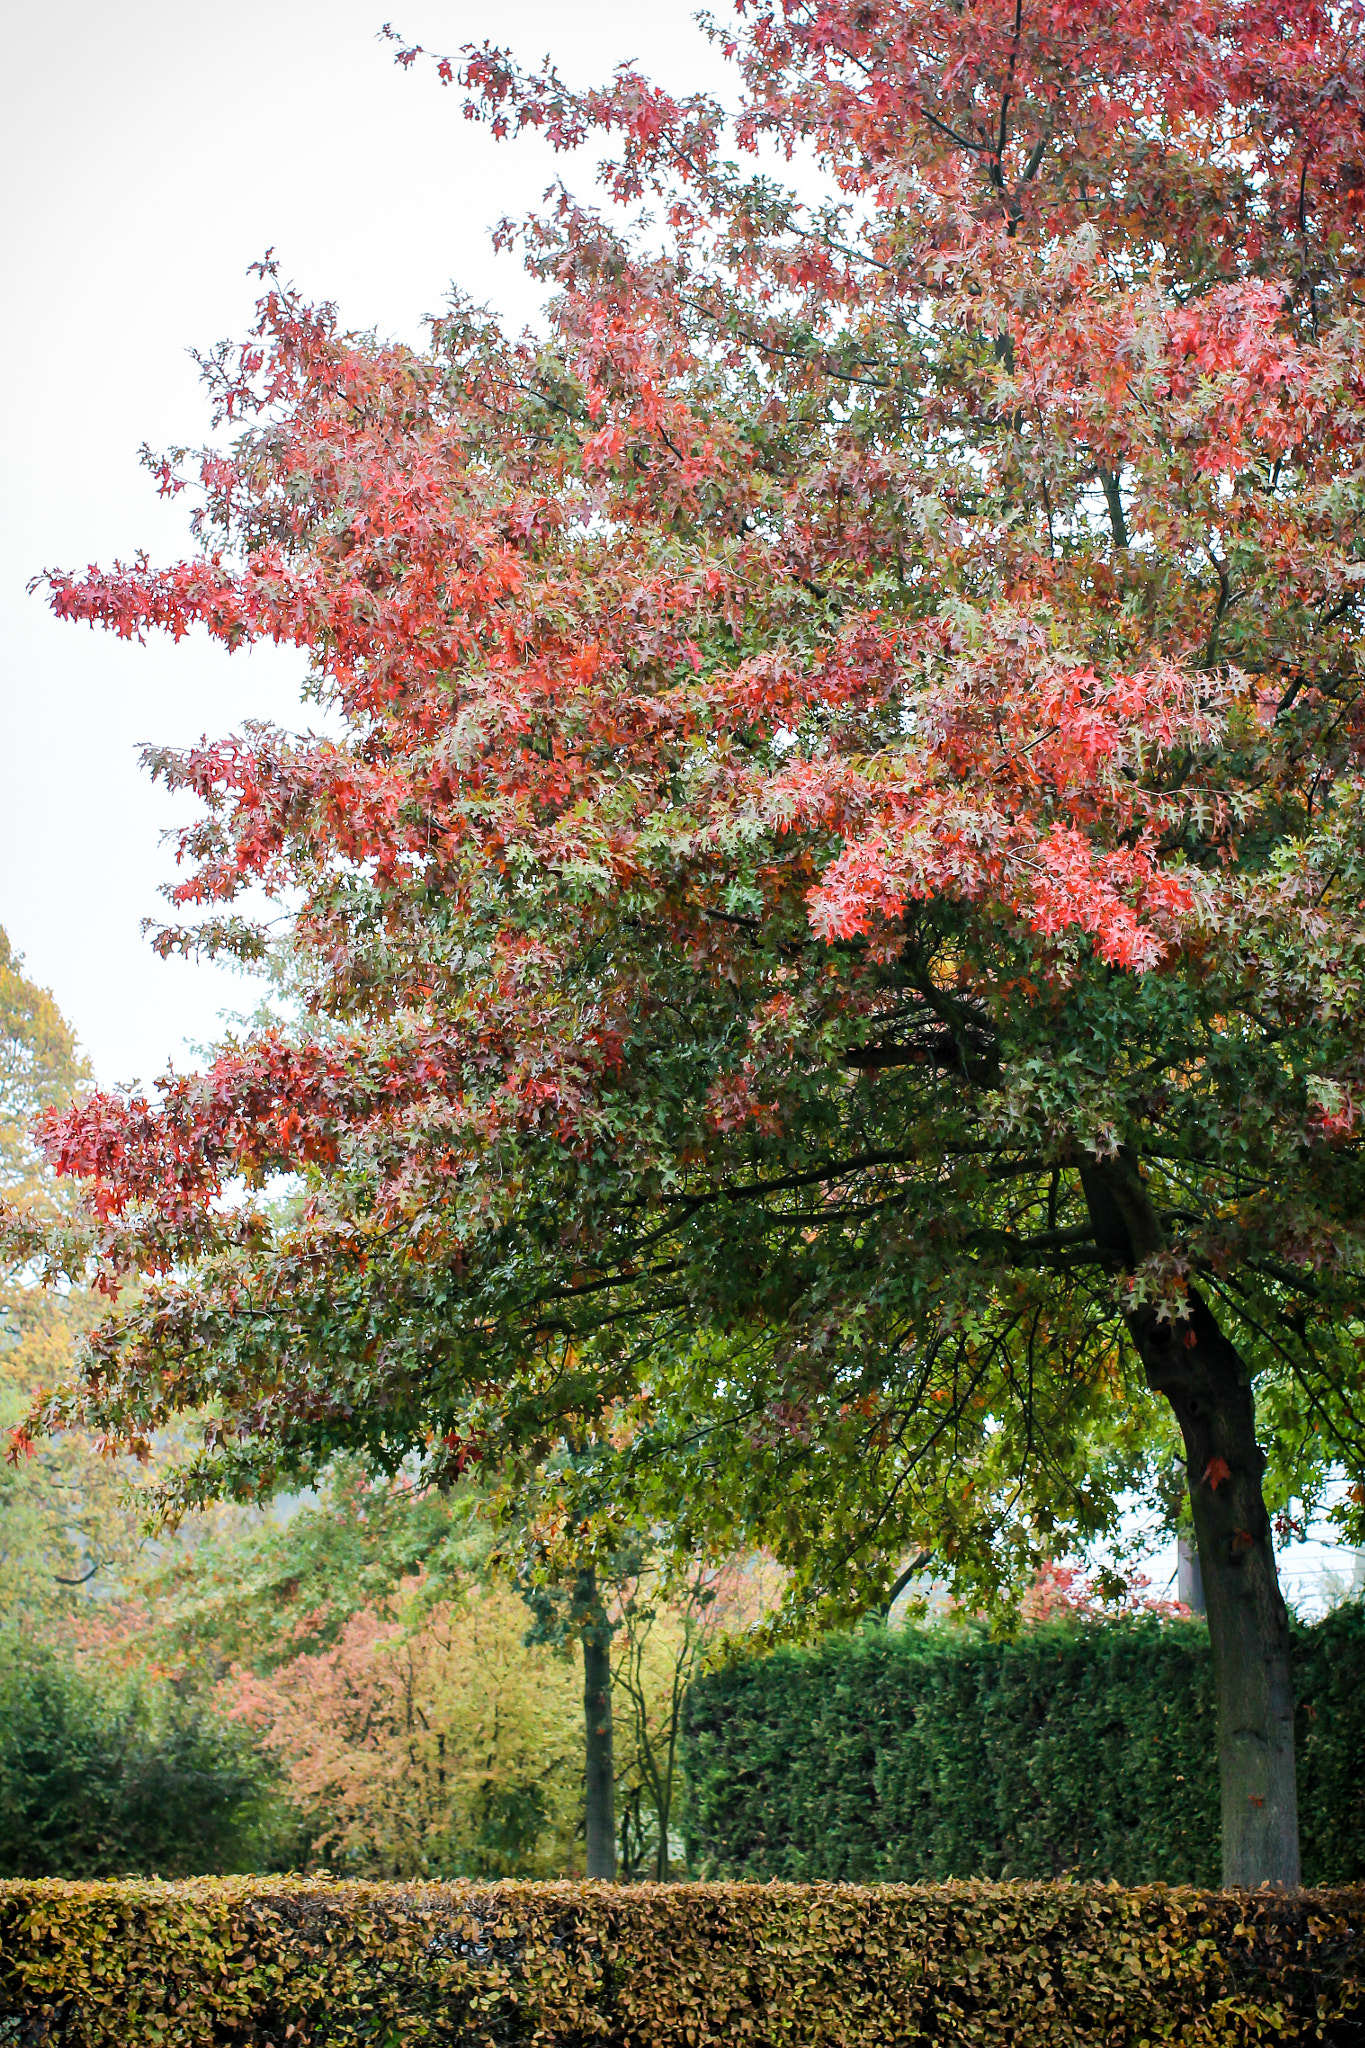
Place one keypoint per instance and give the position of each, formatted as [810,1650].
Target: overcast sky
[152,150]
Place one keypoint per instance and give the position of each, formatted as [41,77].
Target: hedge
[271,1962]
[1087,1751]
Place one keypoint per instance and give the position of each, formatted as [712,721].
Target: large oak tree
[830,945]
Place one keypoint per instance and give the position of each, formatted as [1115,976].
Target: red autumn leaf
[1215,1472]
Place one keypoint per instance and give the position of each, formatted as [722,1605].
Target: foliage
[65,1523]
[102,1771]
[39,1066]
[59,1517]
[100,1778]
[830,916]
[678,1966]
[362,1639]
[848,749]
[260,1589]
[362,1655]
[1076,1749]
[427,1743]
[419,1698]
[1329,1662]
[667,1621]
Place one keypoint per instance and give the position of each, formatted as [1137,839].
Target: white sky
[151,151]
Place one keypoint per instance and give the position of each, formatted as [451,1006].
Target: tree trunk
[599,1772]
[1190,1586]
[1203,1377]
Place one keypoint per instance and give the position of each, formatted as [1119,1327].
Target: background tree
[66,1524]
[422,1701]
[61,1519]
[426,1741]
[669,1621]
[832,940]
[40,1066]
[379,1665]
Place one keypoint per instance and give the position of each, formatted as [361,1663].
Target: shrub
[687,1966]
[101,1779]
[1086,1750]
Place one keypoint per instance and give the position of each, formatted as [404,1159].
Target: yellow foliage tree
[40,1064]
[63,1524]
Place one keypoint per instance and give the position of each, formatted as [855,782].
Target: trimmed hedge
[1077,1750]
[307,1963]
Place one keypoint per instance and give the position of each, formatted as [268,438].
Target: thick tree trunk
[599,1773]
[1203,1377]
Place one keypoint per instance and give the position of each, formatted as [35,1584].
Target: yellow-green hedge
[298,1963]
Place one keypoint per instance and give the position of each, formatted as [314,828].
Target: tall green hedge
[295,1964]
[1085,1750]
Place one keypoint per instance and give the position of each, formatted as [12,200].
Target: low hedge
[287,1963]
[1087,1751]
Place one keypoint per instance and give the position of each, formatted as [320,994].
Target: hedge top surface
[1034,1965]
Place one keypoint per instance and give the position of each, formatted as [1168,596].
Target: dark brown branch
[1113,498]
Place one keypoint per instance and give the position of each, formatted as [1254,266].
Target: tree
[40,1066]
[831,942]
[668,1621]
[60,1518]
[568,1607]
[427,1740]
[66,1528]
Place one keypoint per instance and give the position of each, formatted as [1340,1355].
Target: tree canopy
[830,945]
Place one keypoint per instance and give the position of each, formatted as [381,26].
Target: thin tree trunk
[1206,1382]
[599,1771]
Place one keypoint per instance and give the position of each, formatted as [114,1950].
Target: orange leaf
[1216,1471]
